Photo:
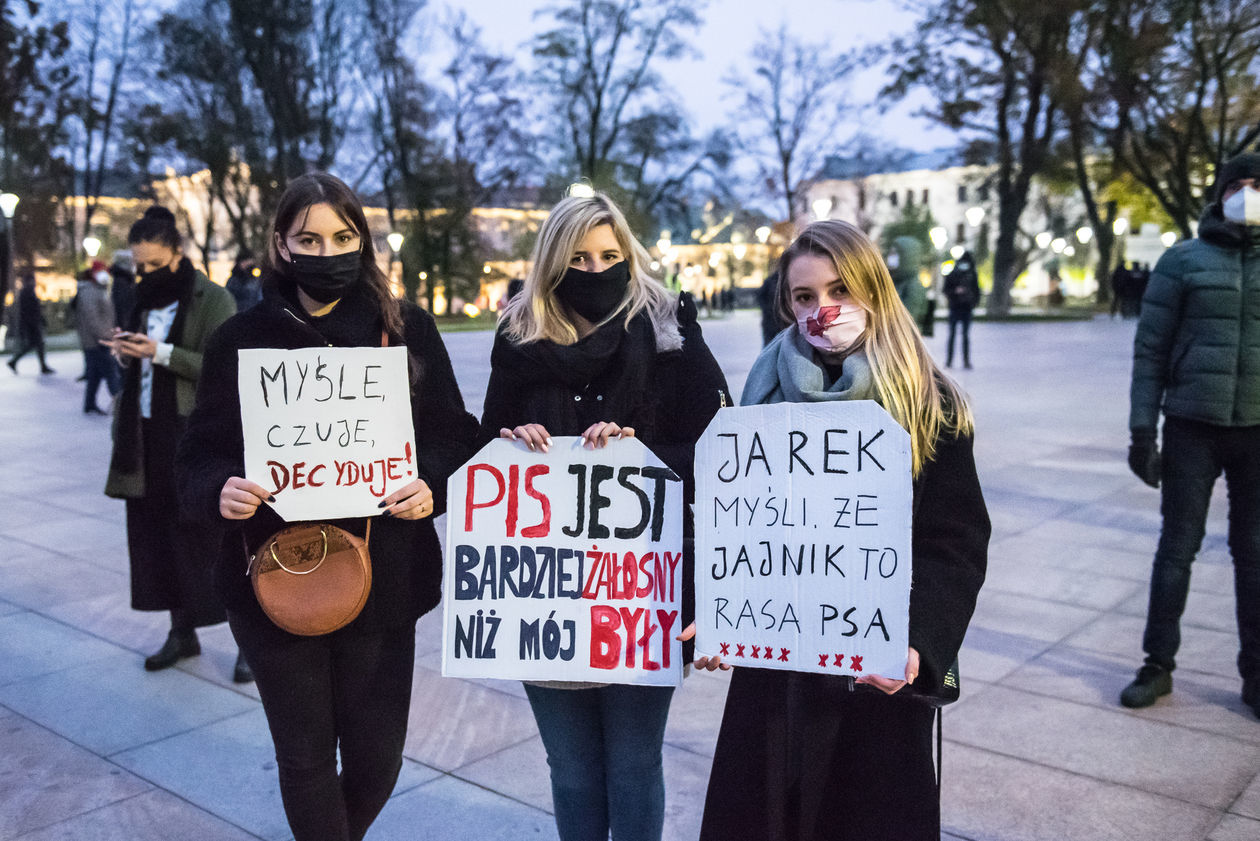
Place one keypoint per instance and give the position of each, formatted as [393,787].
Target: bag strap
[940,764]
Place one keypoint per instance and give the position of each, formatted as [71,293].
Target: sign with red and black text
[803,538]
[565,565]
[327,430]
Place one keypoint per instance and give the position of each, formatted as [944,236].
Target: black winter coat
[406,555]
[616,375]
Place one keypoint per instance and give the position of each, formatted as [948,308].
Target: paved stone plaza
[93,748]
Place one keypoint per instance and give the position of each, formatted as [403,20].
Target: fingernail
[271,498]
[548,442]
[383,504]
[387,514]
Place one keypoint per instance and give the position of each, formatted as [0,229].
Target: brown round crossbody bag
[312,578]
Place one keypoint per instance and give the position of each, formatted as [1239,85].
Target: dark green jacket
[1197,350]
[211,306]
[906,276]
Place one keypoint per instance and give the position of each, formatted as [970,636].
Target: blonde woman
[594,346]
[811,756]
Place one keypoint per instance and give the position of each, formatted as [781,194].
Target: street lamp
[395,241]
[92,246]
[821,208]
[975,215]
[939,237]
[1058,244]
[581,190]
[1084,234]
[8,204]
[957,252]
[763,234]
[1043,239]
[1119,226]
[1168,238]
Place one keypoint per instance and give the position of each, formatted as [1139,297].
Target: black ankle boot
[1251,694]
[179,644]
[242,673]
[1151,682]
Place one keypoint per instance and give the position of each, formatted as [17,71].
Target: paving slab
[46,779]
[113,704]
[1110,745]
[153,816]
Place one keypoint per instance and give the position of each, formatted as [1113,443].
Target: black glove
[1144,456]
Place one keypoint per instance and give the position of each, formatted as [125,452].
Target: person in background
[904,261]
[175,312]
[962,293]
[94,318]
[767,299]
[1196,358]
[122,290]
[31,324]
[344,694]
[245,282]
[793,745]
[595,346]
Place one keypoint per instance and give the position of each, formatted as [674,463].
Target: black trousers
[347,691]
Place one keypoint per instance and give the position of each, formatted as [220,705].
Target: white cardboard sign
[328,430]
[564,565]
[803,538]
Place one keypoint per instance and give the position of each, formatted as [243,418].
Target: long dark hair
[306,191]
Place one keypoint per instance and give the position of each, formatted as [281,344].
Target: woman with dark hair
[595,346]
[793,745]
[348,691]
[175,312]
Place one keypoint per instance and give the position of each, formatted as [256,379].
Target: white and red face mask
[833,329]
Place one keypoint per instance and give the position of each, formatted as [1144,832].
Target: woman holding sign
[176,310]
[814,756]
[596,347]
[346,692]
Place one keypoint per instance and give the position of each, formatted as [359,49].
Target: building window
[925,195]
[861,199]
[909,198]
[961,233]
[892,197]
[962,193]
[983,192]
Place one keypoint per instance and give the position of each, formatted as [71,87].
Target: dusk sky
[729,30]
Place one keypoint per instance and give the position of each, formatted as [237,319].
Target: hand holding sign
[240,498]
[328,431]
[564,562]
[803,540]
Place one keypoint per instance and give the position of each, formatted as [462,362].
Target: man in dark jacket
[1197,356]
[30,325]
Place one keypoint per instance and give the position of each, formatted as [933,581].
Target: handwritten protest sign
[803,538]
[328,430]
[564,565]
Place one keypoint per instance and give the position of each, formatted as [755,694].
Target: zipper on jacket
[721,399]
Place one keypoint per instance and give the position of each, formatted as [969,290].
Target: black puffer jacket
[1197,348]
[406,555]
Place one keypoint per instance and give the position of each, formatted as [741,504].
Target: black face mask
[325,279]
[594,295]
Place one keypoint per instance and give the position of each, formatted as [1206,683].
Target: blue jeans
[604,749]
[1194,455]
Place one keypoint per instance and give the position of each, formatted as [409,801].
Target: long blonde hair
[535,314]
[909,385]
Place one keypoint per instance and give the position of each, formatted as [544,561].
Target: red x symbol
[857,663]
[739,650]
[783,657]
[822,659]
[769,655]
[839,661]
[726,648]
[756,651]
